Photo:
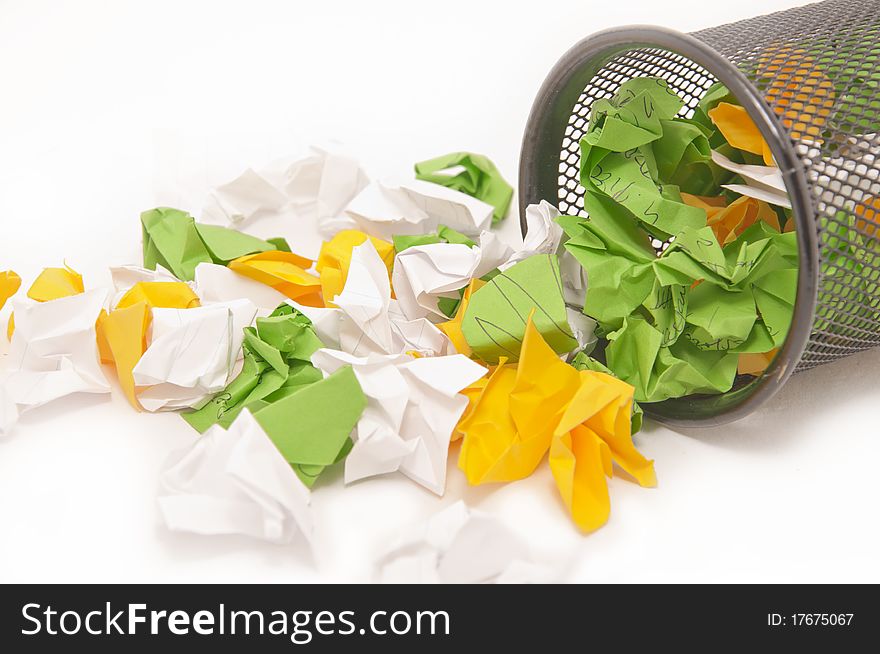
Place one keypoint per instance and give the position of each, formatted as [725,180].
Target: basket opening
[597,72]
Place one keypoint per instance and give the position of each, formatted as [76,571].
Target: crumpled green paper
[307,416]
[170,239]
[173,239]
[478,178]
[746,297]
[617,256]
[226,244]
[276,364]
[631,139]
[495,320]
[675,323]
[311,426]
[636,355]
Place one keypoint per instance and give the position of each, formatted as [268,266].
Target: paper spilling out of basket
[398,333]
[407,323]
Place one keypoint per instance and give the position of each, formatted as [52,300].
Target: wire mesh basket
[809,78]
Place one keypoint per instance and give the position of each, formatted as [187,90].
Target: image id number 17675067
[810,619]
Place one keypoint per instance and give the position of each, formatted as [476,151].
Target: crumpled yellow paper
[122,334]
[285,272]
[543,404]
[492,449]
[596,430]
[51,284]
[867,216]
[55,283]
[122,340]
[452,328]
[729,221]
[165,295]
[472,393]
[10,282]
[335,259]
[740,130]
[798,90]
[750,363]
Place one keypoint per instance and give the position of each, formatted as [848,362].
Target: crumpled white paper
[583,328]
[543,233]
[53,353]
[383,209]
[412,408]
[423,274]
[299,200]
[761,182]
[215,283]
[235,481]
[574,279]
[388,208]
[459,545]
[192,354]
[419,335]
[367,320]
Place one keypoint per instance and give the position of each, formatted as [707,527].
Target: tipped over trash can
[768,133]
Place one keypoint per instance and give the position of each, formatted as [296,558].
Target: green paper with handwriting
[630,180]
[617,256]
[635,353]
[495,320]
[636,152]
[676,321]
[633,116]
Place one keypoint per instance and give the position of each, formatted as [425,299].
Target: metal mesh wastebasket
[810,79]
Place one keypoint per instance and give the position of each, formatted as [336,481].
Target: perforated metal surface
[818,69]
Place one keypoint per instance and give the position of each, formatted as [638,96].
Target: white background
[111,108]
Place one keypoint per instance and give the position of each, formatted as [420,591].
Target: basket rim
[590,55]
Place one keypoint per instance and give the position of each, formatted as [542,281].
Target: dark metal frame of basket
[538,180]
